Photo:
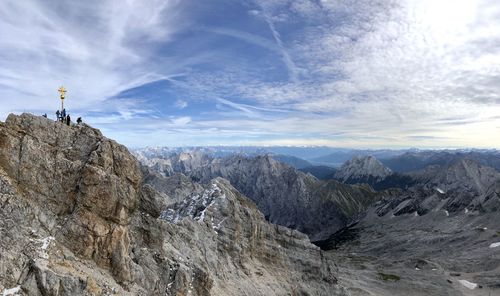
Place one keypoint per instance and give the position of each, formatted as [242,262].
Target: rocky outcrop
[78,218]
[84,185]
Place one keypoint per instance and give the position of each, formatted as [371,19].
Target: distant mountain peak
[362,169]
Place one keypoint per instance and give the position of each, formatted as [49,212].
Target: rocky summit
[79,216]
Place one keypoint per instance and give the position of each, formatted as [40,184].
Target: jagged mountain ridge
[170,161]
[289,197]
[78,218]
[463,185]
[369,170]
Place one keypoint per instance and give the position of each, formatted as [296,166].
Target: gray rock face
[364,169]
[77,218]
[177,187]
[235,242]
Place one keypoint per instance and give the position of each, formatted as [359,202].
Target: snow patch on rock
[495,245]
[45,246]
[468,284]
[12,291]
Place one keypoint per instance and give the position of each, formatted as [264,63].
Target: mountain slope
[463,174]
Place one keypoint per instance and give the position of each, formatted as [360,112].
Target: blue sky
[345,73]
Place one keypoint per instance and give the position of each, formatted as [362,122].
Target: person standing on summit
[68,120]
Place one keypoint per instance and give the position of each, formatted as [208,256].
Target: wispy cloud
[292,68]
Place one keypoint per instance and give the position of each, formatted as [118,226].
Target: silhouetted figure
[63,113]
[78,120]
[45,115]
[68,120]
[58,114]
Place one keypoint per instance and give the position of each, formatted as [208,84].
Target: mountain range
[390,245]
[81,215]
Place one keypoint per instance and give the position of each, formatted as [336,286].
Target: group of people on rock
[64,118]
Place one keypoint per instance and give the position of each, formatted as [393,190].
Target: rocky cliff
[77,217]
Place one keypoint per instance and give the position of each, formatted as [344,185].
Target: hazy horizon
[320,146]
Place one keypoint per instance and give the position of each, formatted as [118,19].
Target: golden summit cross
[62,92]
